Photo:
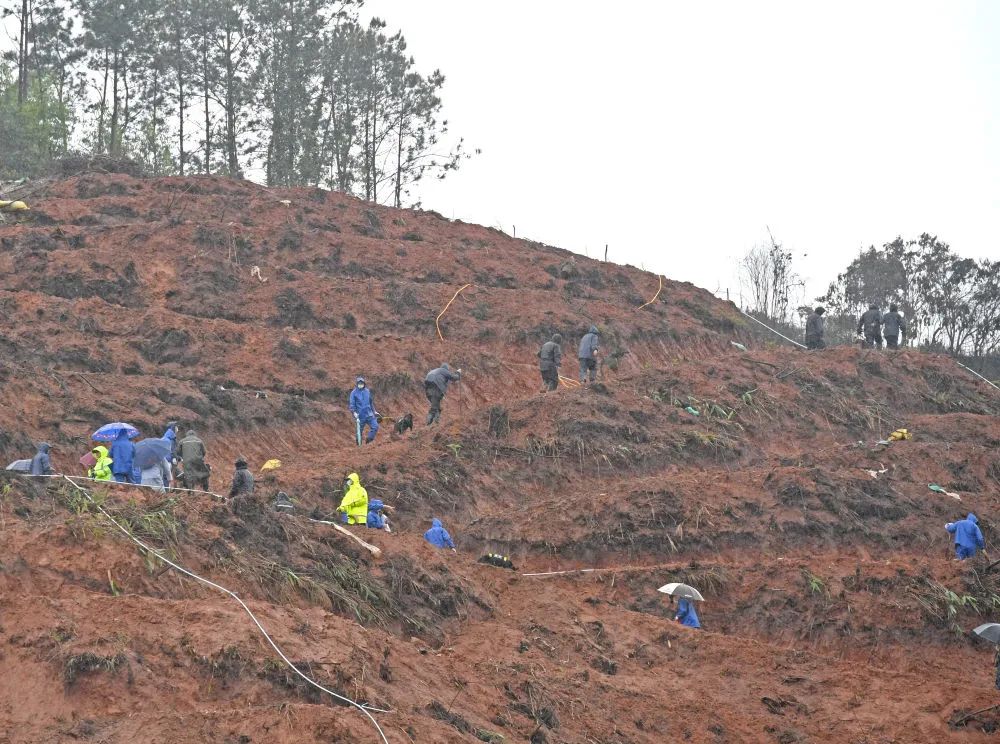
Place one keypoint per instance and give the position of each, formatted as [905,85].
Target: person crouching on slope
[101,470]
[354,506]
[686,614]
[362,404]
[968,536]
[438,536]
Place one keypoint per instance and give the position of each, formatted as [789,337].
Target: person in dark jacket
[435,386]
[242,480]
[122,453]
[438,536]
[968,536]
[362,405]
[870,324]
[686,614]
[894,323]
[549,361]
[814,329]
[589,348]
[192,453]
[41,463]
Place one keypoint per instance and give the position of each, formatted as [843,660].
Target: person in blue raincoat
[438,536]
[122,453]
[362,405]
[686,614]
[376,519]
[968,536]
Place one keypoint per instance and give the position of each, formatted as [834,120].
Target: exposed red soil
[827,617]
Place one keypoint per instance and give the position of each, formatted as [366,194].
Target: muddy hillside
[833,612]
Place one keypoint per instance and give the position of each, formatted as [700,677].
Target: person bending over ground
[968,536]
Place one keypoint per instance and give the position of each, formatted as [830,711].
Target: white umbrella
[989,631]
[681,590]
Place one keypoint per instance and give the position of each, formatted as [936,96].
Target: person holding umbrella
[686,614]
[151,460]
[122,455]
[122,450]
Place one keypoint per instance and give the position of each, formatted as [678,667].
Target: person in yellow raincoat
[354,505]
[101,471]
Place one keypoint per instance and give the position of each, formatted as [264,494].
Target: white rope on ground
[243,604]
[75,478]
[988,382]
[801,346]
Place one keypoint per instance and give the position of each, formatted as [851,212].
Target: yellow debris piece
[899,435]
[14,206]
[270,465]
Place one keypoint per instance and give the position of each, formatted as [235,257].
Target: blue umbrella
[110,432]
[148,452]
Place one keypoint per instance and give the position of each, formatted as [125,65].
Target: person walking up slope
[362,405]
[549,361]
[435,386]
[589,349]
[968,536]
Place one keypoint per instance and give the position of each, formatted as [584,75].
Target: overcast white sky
[676,131]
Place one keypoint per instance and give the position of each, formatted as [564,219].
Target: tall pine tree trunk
[179,52]
[113,145]
[231,153]
[208,116]
[22,56]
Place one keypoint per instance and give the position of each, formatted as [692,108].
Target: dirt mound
[834,611]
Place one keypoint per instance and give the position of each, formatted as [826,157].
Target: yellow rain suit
[355,502]
[102,468]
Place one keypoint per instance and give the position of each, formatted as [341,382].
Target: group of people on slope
[550,359]
[356,508]
[871,326]
[186,466]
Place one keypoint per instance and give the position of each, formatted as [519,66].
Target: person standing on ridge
[968,536]
[362,404]
[870,324]
[815,327]
[122,453]
[589,349]
[894,323]
[549,361]
[435,386]
[191,451]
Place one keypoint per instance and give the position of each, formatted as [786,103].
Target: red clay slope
[834,611]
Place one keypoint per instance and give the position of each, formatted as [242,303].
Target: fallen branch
[569,382]
[660,289]
[438,318]
[367,546]
[969,716]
